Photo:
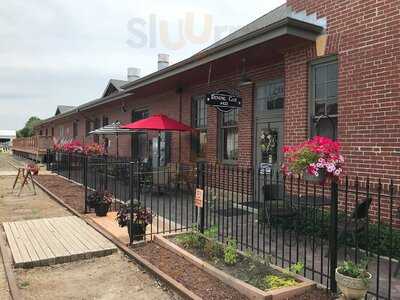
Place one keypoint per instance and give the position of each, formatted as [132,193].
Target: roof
[114,86]
[63,109]
[278,22]
[280,13]
[7,133]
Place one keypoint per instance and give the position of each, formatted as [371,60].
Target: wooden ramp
[43,242]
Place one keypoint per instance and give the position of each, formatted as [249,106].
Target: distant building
[6,137]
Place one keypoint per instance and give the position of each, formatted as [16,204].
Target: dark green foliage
[27,131]
[315,222]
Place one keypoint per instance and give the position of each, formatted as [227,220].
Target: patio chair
[275,206]
[358,221]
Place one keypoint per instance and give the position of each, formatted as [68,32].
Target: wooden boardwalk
[49,241]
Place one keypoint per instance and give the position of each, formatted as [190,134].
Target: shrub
[190,240]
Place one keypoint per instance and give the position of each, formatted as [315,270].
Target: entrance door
[268,154]
[268,146]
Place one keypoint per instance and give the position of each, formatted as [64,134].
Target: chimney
[163,61]
[133,74]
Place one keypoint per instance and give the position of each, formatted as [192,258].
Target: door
[268,145]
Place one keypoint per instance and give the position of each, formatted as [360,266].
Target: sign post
[199,197]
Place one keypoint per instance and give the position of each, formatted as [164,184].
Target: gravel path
[111,277]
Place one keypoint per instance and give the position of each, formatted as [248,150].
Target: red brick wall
[366,37]
[168,103]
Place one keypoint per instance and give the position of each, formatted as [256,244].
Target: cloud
[64,52]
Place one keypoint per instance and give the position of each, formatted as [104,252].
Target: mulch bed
[193,278]
[71,193]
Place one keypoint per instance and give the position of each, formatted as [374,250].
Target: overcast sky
[64,52]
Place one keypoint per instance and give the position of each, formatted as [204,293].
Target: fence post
[106,174]
[85,179]
[200,185]
[69,165]
[47,160]
[131,164]
[333,235]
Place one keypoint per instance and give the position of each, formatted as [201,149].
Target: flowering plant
[94,149]
[33,168]
[141,215]
[315,156]
[99,198]
[71,147]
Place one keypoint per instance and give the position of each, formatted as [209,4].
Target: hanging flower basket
[316,159]
[319,178]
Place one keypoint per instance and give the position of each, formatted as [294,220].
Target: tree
[27,131]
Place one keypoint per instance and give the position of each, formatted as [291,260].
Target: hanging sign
[198,200]
[223,100]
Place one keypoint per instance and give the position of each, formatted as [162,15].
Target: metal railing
[284,218]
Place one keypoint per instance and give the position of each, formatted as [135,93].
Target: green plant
[230,252]
[297,268]
[190,240]
[276,282]
[212,232]
[212,249]
[350,269]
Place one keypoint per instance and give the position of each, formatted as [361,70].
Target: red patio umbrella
[158,123]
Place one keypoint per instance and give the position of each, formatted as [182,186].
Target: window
[47,132]
[61,131]
[323,91]
[229,135]
[75,129]
[140,149]
[52,131]
[105,121]
[199,121]
[270,96]
[41,132]
[96,125]
[87,127]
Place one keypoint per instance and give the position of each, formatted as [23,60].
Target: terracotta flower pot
[314,179]
[352,288]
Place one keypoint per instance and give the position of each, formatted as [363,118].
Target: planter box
[244,288]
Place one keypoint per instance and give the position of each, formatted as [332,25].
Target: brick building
[299,62]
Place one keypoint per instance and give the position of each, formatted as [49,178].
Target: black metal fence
[284,218]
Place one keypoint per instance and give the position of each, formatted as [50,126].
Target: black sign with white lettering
[223,100]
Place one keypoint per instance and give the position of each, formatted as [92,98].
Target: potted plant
[353,280]
[315,159]
[100,201]
[142,217]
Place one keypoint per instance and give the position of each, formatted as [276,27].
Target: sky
[56,52]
